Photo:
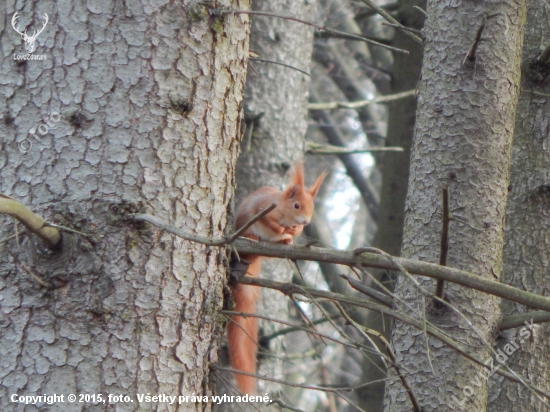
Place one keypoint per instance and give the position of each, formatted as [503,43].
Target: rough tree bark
[394,168]
[527,223]
[463,134]
[149,102]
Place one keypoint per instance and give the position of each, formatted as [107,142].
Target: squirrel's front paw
[293,230]
[287,241]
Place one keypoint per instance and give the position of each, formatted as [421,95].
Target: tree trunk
[527,223]
[462,140]
[395,172]
[144,105]
[276,112]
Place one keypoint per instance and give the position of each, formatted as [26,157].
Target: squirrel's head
[298,199]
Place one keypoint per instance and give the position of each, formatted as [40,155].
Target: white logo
[30,41]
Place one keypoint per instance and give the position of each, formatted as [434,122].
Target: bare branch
[328,149]
[391,7]
[373,293]
[293,328]
[421,10]
[389,18]
[308,23]
[444,246]
[471,56]
[35,277]
[361,103]
[404,28]
[515,321]
[416,267]
[200,239]
[257,59]
[290,289]
[285,405]
[391,355]
[287,383]
[360,258]
[33,222]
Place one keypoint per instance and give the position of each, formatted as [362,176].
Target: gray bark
[527,223]
[395,173]
[462,139]
[149,102]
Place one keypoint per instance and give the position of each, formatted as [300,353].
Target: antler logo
[30,41]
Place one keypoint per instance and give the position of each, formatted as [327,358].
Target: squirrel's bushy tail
[242,332]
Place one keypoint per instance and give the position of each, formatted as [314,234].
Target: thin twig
[535,93]
[444,246]
[289,289]
[471,55]
[286,383]
[33,222]
[376,350]
[285,405]
[389,18]
[200,239]
[327,149]
[369,13]
[35,277]
[361,103]
[405,28]
[308,23]
[421,10]
[257,59]
[391,354]
[348,400]
[293,328]
[425,294]
[322,34]
[373,293]
[67,229]
[6,239]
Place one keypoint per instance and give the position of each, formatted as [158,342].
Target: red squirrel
[293,211]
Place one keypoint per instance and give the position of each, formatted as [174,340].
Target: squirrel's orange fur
[293,211]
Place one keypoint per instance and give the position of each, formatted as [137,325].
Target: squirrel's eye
[296,205]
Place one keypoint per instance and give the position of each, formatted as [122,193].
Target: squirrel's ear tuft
[298,174]
[317,184]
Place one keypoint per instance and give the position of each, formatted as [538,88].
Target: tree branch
[389,18]
[374,260]
[444,246]
[257,59]
[360,258]
[328,149]
[291,289]
[308,23]
[142,217]
[361,103]
[287,383]
[33,222]
[515,321]
[366,290]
